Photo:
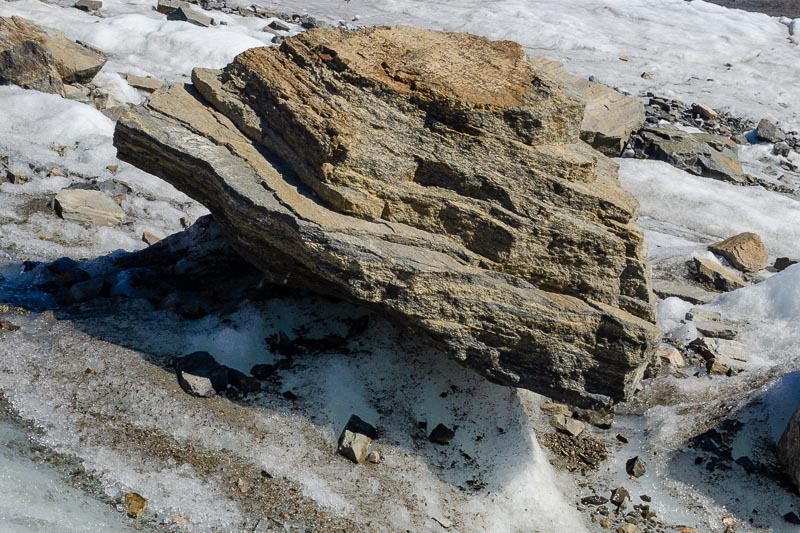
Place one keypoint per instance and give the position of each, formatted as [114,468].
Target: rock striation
[438,176]
[35,57]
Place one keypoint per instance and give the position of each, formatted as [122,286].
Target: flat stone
[716,329]
[702,154]
[768,132]
[684,291]
[168,6]
[745,251]
[717,276]
[279,25]
[568,425]
[697,313]
[150,238]
[355,439]
[88,5]
[186,14]
[91,208]
[146,83]
[705,112]
[554,408]
[199,374]
[418,198]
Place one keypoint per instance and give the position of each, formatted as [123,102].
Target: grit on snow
[745,63]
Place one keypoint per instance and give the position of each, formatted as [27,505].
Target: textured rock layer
[438,176]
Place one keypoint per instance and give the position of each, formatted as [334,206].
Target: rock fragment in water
[91,208]
[745,251]
[135,505]
[199,374]
[355,439]
[440,186]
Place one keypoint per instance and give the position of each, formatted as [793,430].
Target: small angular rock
[355,439]
[768,132]
[635,467]
[88,5]
[620,496]
[782,263]
[135,505]
[568,425]
[441,434]
[242,382]
[199,374]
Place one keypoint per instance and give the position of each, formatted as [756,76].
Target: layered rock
[438,176]
[610,116]
[35,57]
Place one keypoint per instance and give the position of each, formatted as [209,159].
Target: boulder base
[437,176]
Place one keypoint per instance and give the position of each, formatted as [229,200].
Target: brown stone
[745,251]
[135,505]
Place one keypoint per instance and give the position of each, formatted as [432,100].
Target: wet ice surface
[37,498]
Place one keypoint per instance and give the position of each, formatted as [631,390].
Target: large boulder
[610,116]
[35,57]
[437,176]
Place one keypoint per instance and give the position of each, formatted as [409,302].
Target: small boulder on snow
[782,263]
[91,208]
[745,251]
[35,57]
[670,355]
[145,83]
[191,16]
[88,5]
[568,425]
[768,132]
[355,439]
[199,374]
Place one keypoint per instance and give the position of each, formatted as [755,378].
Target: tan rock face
[436,175]
[35,57]
[745,251]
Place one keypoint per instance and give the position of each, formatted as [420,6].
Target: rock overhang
[353,162]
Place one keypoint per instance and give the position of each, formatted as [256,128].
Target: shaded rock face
[702,154]
[789,448]
[438,176]
[43,59]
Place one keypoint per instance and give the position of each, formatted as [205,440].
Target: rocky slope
[438,176]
